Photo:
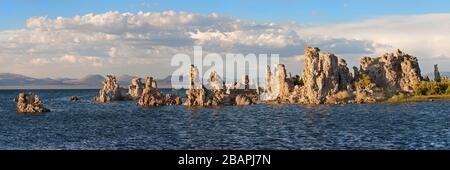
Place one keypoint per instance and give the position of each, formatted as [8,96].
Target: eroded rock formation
[152,97]
[437,74]
[111,91]
[196,92]
[136,88]
[277,87]
[242,100]
[216,92]
[327,79]
[30,103]
[393,73]
[324,75]
[73,98]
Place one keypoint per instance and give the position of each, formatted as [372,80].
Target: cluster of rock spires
[326,79]
[150,95]
[219,93]
[30,103]
[111,91]
[145,94]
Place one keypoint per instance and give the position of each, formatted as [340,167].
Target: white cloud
[424,36]
[143,43]
[72,59]
[39,61]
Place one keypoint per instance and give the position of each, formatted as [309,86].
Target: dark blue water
[123,125]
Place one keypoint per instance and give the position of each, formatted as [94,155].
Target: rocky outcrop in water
[345,77]
[324,75]
[327,79]
[151,96]
[393,73]
[30,103]
[111,91]
[73,98]
[196,92]
[437,74]
[242,100]
[136,88]
[277,86]
[216,92]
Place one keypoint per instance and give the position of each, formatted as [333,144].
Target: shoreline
[408,99]
[392,100]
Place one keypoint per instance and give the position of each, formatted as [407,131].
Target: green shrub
[432,88]
[364,81]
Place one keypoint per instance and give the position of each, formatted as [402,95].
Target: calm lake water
[86,124]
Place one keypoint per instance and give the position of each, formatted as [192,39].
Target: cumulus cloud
[143,43]
[425,36]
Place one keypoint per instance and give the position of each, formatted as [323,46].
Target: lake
[86,124]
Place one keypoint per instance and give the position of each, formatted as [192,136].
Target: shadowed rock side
[218,93]
[111,91]
[152,97]
[437,74]
[30,103]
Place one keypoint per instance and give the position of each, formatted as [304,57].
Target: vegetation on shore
[425,91]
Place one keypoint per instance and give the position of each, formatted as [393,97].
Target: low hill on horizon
[93,81]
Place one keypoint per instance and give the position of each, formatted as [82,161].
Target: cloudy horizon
[143,43]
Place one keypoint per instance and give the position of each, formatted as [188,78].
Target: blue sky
[13,14]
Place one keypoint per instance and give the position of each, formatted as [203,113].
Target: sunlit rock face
[196,93]
[326,79]
[136,88]
[216,92]
[30,103]
[278,86]
[111,91]
[151,97]
[393,72]
[215,81]
[323,76]
[242,100]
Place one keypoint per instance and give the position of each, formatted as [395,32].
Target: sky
[69,38]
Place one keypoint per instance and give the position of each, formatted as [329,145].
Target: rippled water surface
[123,125]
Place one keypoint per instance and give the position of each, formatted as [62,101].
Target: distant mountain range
[17,81]
[94,81]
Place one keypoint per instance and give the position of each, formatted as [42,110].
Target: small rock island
[30,103]
[145,95]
